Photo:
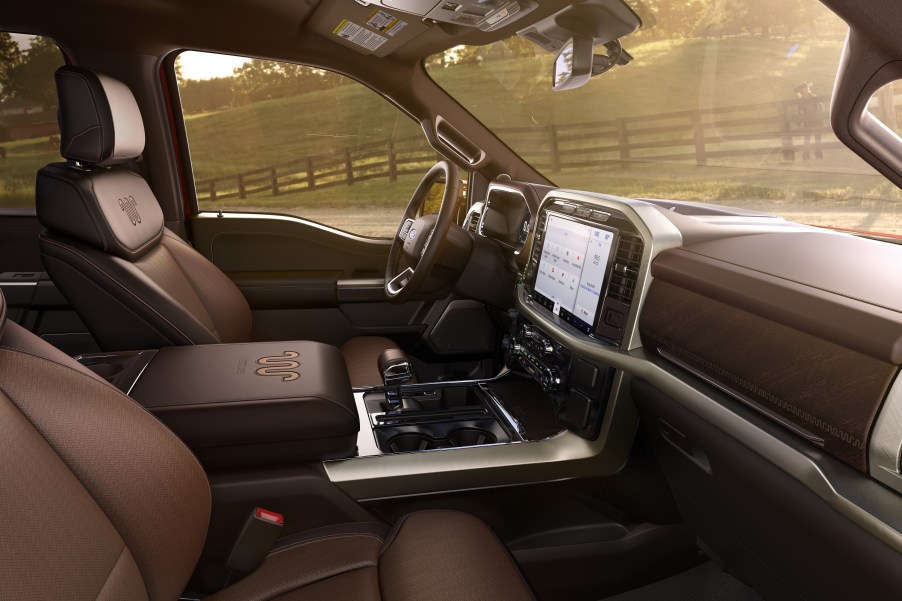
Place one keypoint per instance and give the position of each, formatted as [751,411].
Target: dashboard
[738,337]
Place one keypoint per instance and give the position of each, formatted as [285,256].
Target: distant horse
[53,142]
[2,153]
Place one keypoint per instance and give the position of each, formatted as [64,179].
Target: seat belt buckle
[260,531]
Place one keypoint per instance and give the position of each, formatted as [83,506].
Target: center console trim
[564,456]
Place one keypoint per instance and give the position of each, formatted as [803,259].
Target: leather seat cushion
[427,556]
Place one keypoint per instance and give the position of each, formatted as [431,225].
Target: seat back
[100,500]
[133,282]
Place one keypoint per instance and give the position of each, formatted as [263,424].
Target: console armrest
[255,403]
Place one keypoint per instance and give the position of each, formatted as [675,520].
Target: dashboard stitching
[759,392]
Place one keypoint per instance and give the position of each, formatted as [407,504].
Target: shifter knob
[396,371]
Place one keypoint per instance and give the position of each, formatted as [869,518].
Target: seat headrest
[110,209]
[99,119]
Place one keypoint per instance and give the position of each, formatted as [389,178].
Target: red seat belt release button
[269,516]
[260,531]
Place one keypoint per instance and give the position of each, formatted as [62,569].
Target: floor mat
[703,582]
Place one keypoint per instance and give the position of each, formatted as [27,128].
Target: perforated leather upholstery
[99,499]
[134,283]
[102,502]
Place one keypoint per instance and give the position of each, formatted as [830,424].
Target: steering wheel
[419,238]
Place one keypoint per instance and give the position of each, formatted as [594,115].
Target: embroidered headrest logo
[280,365]
[130,206]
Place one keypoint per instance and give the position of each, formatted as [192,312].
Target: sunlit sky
[202,65]
[195,65]
[23,40]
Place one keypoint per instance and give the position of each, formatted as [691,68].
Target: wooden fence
[694,137]
[388,159]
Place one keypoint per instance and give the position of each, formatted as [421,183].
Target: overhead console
[487,15]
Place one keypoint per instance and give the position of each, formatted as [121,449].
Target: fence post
[392,162]
[555,159]
[311,183]
[623,139]
[349,167]
[212,190]
[273,181]
[241,193]
[789,154]
[700,158]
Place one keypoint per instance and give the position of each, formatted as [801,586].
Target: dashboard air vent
[626,268]
[473,222]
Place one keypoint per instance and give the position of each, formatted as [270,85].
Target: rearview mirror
[573,64]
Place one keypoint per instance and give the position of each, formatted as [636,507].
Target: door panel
[33,299]
[304,280]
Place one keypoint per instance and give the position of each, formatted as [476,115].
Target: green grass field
[18,169]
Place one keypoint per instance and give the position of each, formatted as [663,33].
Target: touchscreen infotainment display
[572,269]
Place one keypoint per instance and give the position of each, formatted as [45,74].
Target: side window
[886,106]
[29,134]
[283,138]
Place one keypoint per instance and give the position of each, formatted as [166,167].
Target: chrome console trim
[508,420]
[560,457]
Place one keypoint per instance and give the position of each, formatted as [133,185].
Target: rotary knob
[551,379]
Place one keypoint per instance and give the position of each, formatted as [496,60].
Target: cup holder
[408,442]
[471,437]
[405,443]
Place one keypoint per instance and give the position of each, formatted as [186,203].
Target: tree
[10,59]
[33,77]
[259,79]
[205,95]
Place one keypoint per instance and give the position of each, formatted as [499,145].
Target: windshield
[725,102]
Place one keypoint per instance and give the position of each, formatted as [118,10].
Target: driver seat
[134,282]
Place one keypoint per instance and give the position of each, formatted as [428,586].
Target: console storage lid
[242,404]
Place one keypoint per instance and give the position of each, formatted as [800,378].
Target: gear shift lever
[396,371]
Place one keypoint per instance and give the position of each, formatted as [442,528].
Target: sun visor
[368,29]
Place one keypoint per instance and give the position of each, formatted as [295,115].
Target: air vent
[540,235]
[626,268]
[473,222]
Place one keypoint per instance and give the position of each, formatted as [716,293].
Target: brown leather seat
[102,502]
[134,282]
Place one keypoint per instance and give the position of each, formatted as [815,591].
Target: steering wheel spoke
[397,283]
[404,230]
[413,250]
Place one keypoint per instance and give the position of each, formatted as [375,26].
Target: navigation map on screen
[572,267]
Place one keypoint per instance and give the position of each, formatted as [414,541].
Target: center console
[582,270]
[264,403]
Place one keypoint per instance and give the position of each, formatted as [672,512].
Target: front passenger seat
[134,282]
[102,502]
